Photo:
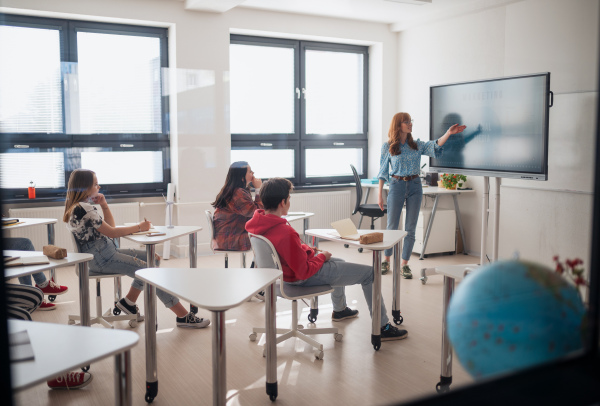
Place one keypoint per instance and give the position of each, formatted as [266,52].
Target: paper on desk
[24,261]
[20,346]
[152,230]
[345,229]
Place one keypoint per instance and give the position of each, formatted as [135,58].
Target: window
[301,101]
[77,94]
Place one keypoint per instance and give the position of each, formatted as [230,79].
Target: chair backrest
[74,241]
[211,229]
[358,189]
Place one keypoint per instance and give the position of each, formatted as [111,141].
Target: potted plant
[451,180]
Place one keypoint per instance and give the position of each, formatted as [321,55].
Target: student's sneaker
[53,288]
[347,313]
[192,321]
[260,295]
[71,380]
[385,267]
[406,273]
[390,333]
[46,306]
[127,309]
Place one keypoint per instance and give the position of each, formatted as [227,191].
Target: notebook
[24,261]
[345,229]
[151,231]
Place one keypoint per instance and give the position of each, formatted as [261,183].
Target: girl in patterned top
[94,232]
[403,154]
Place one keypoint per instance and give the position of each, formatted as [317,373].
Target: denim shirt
[408,163]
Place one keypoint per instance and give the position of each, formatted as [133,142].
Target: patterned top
[408,163]
[230,222]
[84,223]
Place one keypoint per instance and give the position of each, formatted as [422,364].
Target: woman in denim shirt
[403,154]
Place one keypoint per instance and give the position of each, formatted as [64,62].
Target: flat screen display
[507,126]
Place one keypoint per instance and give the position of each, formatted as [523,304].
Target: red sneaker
[53,288]
[47,306]
[71,380]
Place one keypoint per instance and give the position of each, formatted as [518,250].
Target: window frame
[329,144]
[269,144]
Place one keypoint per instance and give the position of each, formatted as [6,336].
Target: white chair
[211,230]
[112,314]
[265,256]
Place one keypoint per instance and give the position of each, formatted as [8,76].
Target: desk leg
[193,253]
[219,359]
[398,319]
[306,227]
[376,305]
[315,242]
[123,379]
[365,202]
[435,203]
[151,361]
[446,372]
[460,226]
[84,293]
[271,345]
[50,231]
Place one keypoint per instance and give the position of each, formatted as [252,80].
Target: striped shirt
[230,222]
[408,163]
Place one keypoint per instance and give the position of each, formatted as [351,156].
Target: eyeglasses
[408,122]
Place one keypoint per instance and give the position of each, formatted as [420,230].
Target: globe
[511,315]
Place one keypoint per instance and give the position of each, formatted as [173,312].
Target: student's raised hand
[99,199]
[455,129]
[256,182]
[145,225]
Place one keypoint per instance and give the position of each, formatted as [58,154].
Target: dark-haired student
[303,266]
[234,206]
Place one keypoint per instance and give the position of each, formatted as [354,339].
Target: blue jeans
[410,192]
[24,244]
[338,273]
[110,260]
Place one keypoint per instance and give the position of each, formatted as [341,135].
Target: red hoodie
[298,260]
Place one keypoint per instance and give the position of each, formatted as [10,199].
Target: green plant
[451,180]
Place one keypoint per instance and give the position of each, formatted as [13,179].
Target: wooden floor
[351,372]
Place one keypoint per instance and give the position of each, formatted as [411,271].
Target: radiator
[122,213]
[327,206]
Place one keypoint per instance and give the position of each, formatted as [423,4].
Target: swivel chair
[369,210]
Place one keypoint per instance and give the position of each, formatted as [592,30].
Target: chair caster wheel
[423,280]
[398,321]
[338,337]
[71,322]
[346,245]
[442,388]
[85,368]
[319,354]
[133,323]
[272,398]
[148,399]
[52,298]
[252,336]
[377,347]
[360,250]
[116,311]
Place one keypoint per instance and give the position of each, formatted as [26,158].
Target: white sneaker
[260,295]
[192,321]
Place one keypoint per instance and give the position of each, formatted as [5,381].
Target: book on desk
[24,261]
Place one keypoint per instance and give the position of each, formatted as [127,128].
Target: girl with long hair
[400,164]
[93,233]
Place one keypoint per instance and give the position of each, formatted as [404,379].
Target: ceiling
[399,14]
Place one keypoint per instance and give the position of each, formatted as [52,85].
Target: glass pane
[267,163]
[330,162]
[45,169]
[261,89]
[119,84]
[334,92]
[126,166]
[30,88]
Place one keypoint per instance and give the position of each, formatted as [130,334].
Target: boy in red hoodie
[303,266]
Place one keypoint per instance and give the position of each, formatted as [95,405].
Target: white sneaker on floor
[192,321]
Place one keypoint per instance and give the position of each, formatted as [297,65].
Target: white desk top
[390,238]
[28,222]
[427,190]
[16,271]
[170,234]
[295,216]
[456,271]
[60,348]
[215,289]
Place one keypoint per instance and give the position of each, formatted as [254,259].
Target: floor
[350,373]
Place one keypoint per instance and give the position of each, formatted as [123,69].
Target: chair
[369,210]
[211,230]
[265,256]
[106,317]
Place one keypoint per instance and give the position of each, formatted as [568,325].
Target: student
[404,155]
[303,266]
[93,233]
[48,287]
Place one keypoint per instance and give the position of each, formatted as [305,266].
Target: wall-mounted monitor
[507,126]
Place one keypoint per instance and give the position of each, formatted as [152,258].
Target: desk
[430,191]
[217,290]
[28,222]
[451,273]
[72,259]
[296,216]
[391,238]
[59,349]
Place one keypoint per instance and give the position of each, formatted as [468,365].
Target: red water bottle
[31,190]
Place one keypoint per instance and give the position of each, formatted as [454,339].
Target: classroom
[406,47]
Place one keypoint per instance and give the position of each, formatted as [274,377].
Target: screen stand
[484,219]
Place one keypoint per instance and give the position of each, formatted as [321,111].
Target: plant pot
[440,184]
[451,187]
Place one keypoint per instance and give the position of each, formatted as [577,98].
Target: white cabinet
[443,231]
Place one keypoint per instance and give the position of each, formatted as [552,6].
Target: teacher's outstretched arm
[455,129]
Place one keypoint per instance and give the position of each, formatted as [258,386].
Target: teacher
[403,154]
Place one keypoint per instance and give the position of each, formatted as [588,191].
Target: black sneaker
[347,313]
[192,321]
[390,333]
[406,273]
[127,309]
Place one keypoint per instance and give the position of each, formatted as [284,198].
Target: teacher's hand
[380,201]
[455,129]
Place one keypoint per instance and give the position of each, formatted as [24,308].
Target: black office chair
[369,210]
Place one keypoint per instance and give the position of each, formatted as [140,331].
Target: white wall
[537,219]
[199,48]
